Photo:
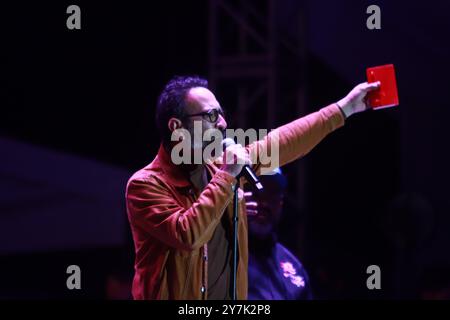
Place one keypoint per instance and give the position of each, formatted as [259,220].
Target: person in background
[274,273]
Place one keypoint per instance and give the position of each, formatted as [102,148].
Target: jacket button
[202,289]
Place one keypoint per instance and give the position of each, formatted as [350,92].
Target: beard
[209,139]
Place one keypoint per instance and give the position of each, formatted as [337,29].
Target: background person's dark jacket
[278,275]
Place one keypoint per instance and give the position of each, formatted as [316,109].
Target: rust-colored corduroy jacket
[172,223]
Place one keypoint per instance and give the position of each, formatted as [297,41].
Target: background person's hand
[251,205]
[356,100]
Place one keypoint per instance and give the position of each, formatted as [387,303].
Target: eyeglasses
[210,115]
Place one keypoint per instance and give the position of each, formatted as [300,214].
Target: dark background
[376,190]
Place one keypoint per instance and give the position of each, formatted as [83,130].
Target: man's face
[201,100]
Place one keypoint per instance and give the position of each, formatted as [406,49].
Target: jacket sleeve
[151,206]
[295,139]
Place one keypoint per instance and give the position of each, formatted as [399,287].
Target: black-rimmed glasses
[210,115]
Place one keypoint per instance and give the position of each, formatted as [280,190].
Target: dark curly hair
[172,102]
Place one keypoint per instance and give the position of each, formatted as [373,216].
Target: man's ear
[174,124]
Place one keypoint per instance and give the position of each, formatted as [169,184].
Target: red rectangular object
[387,95]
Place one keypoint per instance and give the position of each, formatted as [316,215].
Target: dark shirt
[219,250]
[278,275]
[219,264]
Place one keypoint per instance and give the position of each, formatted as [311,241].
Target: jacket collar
[174,173]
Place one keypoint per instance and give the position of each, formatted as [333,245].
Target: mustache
[222,136]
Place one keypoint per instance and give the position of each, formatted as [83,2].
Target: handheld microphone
[247,172]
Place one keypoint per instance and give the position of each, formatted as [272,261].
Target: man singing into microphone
[181,214]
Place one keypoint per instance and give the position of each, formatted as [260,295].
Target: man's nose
[221,123]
